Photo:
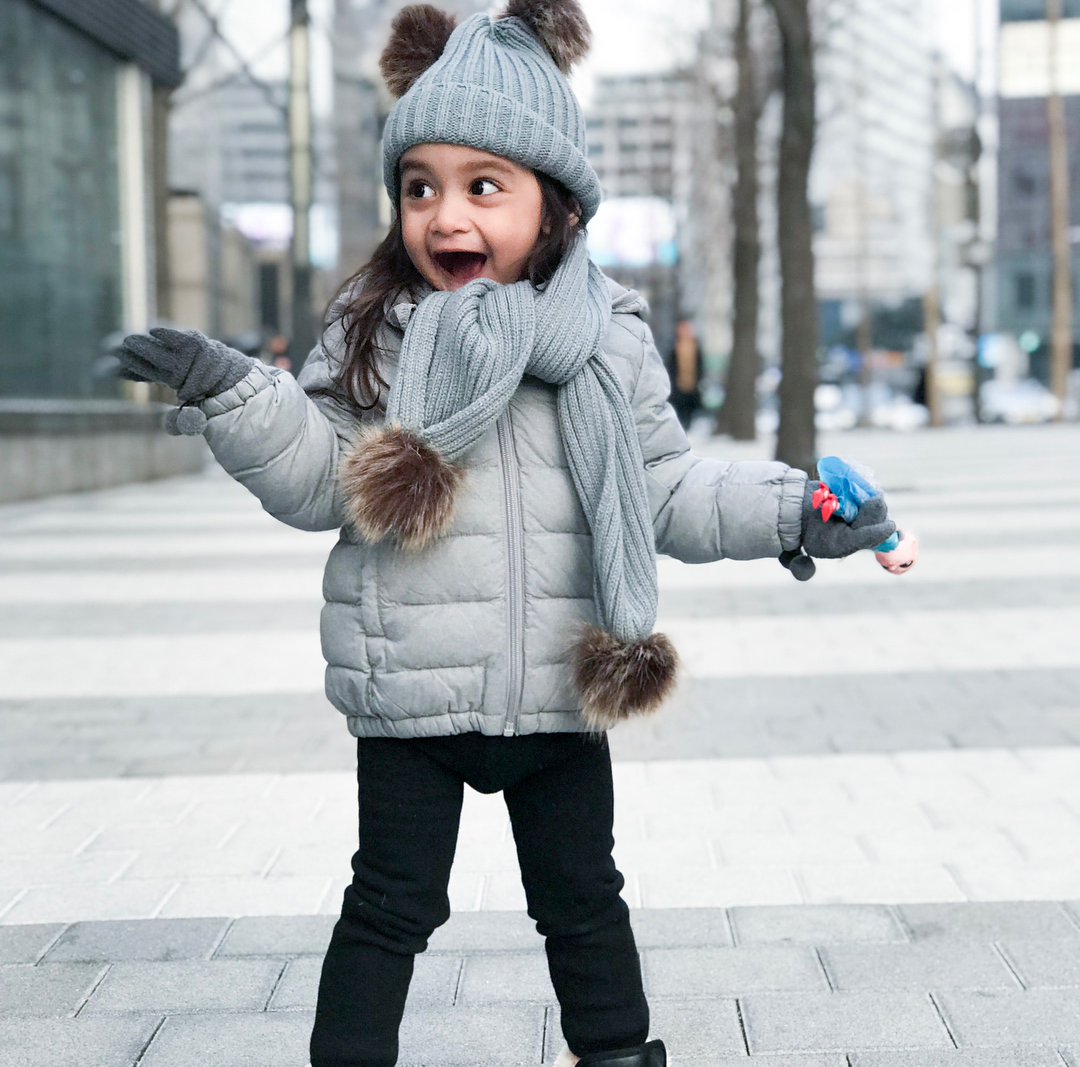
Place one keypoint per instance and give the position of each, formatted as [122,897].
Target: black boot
[652,1054]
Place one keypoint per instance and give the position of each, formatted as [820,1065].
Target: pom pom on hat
[418,36]
[560,25]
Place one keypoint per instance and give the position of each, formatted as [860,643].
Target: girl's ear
[560,24]
[418,36]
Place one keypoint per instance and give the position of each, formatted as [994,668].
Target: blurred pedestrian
[278,347]
[491,601]
[684,369]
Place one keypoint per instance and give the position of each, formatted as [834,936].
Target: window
[1024,184]
[1025,290]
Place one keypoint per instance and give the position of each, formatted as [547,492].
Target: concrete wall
[61,446]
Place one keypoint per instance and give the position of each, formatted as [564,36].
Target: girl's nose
[452,216]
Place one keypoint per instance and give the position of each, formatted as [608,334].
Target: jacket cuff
[792,494]
[255,381]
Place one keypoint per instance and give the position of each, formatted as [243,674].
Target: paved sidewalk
[842,986]
[852,839]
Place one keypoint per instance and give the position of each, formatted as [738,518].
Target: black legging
[558,792]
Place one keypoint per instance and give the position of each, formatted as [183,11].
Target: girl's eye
[420,191]
[483,187]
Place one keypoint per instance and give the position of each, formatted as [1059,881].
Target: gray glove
[194,365]
[836,538]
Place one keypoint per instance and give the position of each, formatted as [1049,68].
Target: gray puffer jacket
[473,632]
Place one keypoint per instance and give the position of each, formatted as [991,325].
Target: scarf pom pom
[396,484]
[617,679]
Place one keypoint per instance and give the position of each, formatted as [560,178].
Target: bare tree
[736,416]
[796,440]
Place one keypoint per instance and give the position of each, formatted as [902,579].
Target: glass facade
[1034,10]
[60,271]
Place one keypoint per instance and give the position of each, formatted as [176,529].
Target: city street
[851,840]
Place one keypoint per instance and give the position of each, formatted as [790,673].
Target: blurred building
[76,185]
[639,130]
[231,142]
[77,240]
[871,183]
[641,144]
[1023,225]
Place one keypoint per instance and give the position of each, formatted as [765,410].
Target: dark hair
[390,274]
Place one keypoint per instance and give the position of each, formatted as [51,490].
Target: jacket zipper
[515,588]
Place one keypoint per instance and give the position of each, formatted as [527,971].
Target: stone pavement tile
[1025,881]
[993,1018]
[48,989]
[256,1039]
[720,888]
[893,845]
[501,891]
[186,986]
[883,883]
[27,944]
[1045,963]
[988,921]
[709,972]
[292,935]
[63,903]
[821,924]
[245,896]
[697,1033]
[206,862]
[782,849]
[824,1022]
[61,866]
[676,927]
[924,966]
[116,1042]
[503,1035]
[486,931]
[977,1057]
[138,939]
[504,977]
[434,982]
[644,855]
[299,985]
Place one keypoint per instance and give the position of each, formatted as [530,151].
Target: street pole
[303,326]
[1061,340]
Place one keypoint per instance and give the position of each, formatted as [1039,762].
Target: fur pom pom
[561,26]
[616,680]
[396,484]
[418,36]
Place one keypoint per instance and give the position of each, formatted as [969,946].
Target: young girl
[486,420]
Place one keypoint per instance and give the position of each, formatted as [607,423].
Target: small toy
[843,490]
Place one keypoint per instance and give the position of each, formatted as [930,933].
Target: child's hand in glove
[834,538]
[195,366]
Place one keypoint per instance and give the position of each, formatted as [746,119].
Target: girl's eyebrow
[496,165]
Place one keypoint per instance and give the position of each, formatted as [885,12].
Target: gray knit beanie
[494,84]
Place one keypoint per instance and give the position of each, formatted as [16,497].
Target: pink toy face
[902,558]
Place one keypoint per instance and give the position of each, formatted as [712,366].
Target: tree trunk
[796,440]
[740,398]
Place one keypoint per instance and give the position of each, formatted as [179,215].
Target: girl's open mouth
[461,266]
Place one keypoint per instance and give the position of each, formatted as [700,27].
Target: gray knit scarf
[462,358]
